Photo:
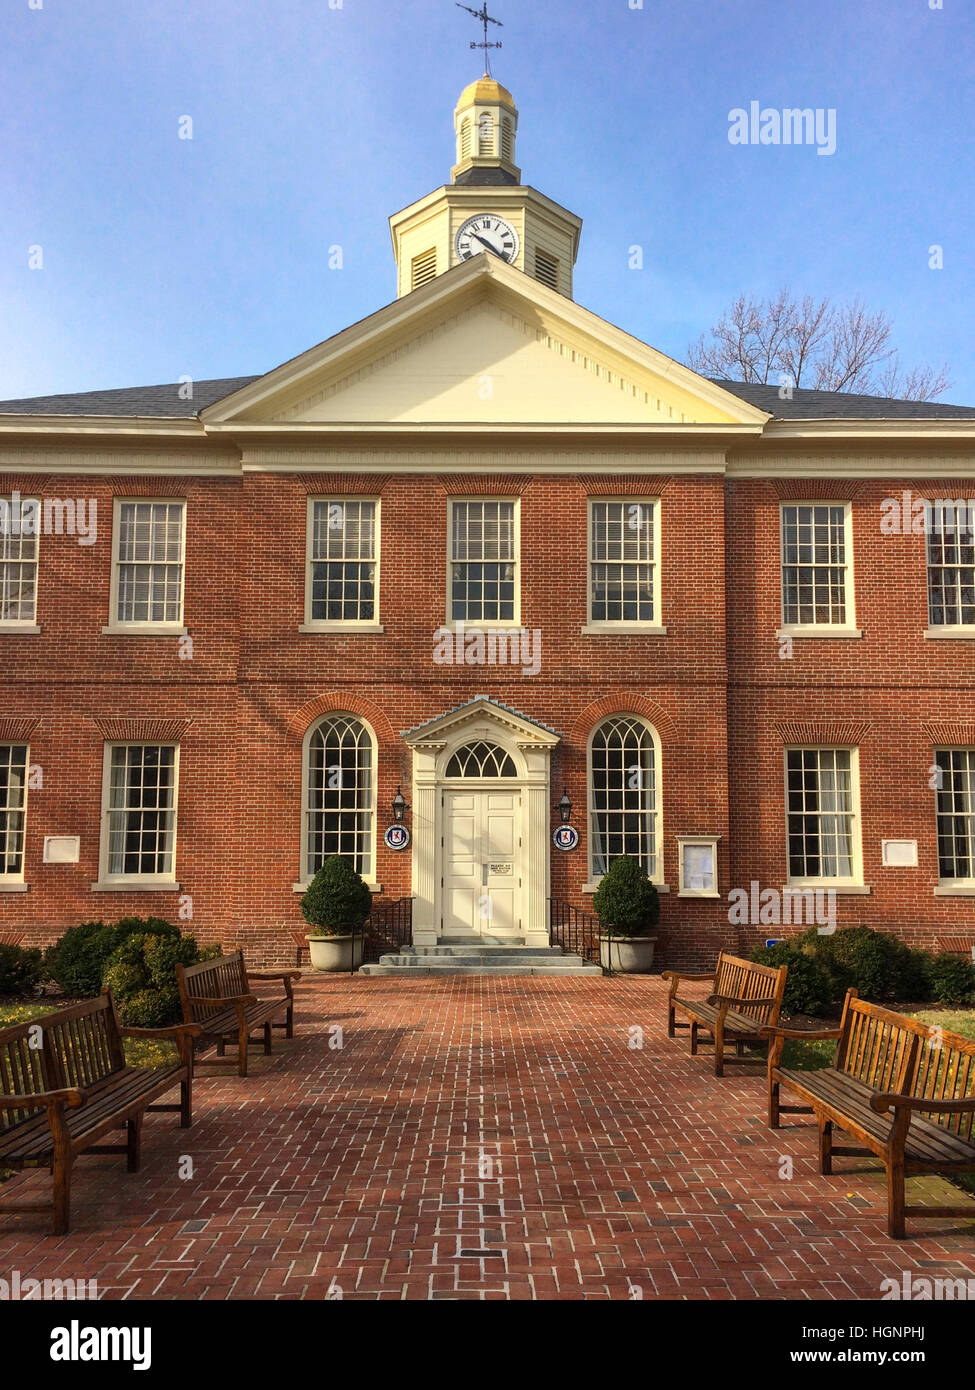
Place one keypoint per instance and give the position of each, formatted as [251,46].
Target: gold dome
[485,89]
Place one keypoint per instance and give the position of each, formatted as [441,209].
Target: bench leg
[693,1039]
[221,1048]
[773,1103]
[289,1030]
[671,1021]
[186,1102]
[718,1050]
[826,1148]
[267,1040]
[62,1196]
[134,1145]
[242,1052]
[896,1226]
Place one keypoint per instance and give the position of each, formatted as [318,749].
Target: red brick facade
[721,698]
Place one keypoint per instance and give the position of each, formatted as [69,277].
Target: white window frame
[483,624]
[373,624]
[855,879]
[145,882]
[654,628]
[17,882]
[961,630]
[657,877]
[303,877]
[848,627]
[949,887]
[137,629]
[697,842]
[27,626]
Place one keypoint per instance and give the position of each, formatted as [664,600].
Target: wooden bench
[70,1065]
[746,998]
[901,1089]
[11,938]
[217,995]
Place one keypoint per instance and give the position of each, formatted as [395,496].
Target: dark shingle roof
[147,402]
[163,402]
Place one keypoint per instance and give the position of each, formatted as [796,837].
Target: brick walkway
[479,1138]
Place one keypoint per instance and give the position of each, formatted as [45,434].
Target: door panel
[481,863]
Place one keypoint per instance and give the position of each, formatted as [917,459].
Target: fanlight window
[623,794]
[481,760]
[339,808]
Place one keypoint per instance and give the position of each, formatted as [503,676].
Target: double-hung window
[624,564]
[951,565]
[139,813]
[342,585]
[624,795]
[822,815]
[817,569]
[19,527]
[13,811]
[147,582]
[482,580]
[956,816]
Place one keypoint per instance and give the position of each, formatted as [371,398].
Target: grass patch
[138,1053]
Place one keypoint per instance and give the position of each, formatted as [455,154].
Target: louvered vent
[465,139]
[424,269]
[507,141]
[547,270]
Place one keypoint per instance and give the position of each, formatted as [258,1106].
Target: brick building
[482,547]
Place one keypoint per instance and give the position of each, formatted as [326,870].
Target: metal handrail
[576,931]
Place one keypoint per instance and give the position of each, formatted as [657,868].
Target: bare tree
[813,343]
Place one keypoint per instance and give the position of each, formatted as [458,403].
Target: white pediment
[483,344]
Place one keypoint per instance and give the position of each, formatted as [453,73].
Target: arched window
[480,760]
[485,134]
[623,794]
[465,138]
[339,796]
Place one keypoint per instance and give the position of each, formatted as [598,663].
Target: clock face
[487,232]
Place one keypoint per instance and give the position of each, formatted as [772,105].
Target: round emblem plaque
[566,837]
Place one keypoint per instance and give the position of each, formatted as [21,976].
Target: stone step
[474,948]
[411,971]
[407,960]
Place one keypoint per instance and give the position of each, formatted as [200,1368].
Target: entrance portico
[481,799]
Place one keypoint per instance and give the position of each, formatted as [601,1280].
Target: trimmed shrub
[879,966]
[951,980]
[337,901]
[77,961]
[20,970]
[142,976]
[809,988]
[626,902]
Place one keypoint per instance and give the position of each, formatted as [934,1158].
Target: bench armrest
[803,1034]
[677,975]
[228,999]
[68,1095]
[889,1100]
[274,974]
[192,1029]
[731,1002]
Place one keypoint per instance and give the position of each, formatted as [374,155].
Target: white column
[536,861]
[425,829]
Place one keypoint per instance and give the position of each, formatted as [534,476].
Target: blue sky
[208,257]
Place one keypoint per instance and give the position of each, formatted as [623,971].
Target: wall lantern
[565,806]
[400,806]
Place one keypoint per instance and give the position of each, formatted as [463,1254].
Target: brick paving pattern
[479,1138]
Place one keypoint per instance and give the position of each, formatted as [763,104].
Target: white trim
[302,881]
[16,629]
[624,626]
[960,888]
[108,882]
[372,624]
[658,818]
[963,633]
[848,627]
[702,841]
[854,883]
[484,624]
[114,627]
[17,883]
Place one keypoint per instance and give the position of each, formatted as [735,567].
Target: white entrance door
[481,863]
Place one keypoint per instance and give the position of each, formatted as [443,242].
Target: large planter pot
[627,955]
[335,952]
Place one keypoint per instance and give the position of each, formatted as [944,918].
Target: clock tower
[485,207]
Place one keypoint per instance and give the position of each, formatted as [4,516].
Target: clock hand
[492,249]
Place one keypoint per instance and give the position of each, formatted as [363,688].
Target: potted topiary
[628,906]
[336,903]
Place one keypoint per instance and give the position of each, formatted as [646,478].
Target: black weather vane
[485,19]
